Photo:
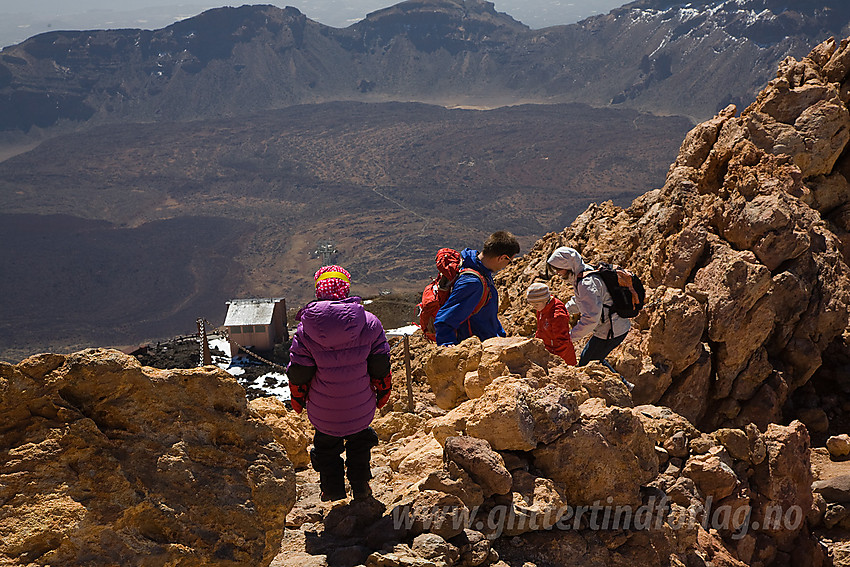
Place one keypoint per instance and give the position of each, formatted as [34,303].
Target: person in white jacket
[593,302]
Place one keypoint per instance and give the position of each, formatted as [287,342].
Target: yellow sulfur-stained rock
[452,423]
[122,464]
[293,431]
[446,370]
[605,456]
[397,425]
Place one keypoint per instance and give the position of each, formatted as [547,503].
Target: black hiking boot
[362,491]
[333,496]
[332,487]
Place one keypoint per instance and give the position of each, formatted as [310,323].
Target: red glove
[298,396]
[383,387]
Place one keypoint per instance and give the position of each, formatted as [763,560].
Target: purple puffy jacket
[336,337]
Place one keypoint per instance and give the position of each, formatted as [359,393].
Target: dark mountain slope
[172,219]
[659,56]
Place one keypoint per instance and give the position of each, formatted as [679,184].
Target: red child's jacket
[553,327]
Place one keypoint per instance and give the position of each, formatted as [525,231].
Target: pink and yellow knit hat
[332,283]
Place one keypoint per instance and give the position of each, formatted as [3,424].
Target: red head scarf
[332,283]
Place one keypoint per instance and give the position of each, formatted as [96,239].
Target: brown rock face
[447,368]
[484,465]
[607,456]
[782,483]
[712,476]
[838,445]
[509,355]
[106,462]
[291,430]
[516,415]
[743,252]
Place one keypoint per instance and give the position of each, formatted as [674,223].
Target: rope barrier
[224,334]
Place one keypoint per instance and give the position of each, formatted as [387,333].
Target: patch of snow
[753,17]
[220,344]
[686,14]
[660,45]
[401,331]
[281,391]
[644,15]
[271,384]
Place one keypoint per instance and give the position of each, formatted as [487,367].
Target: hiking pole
[407,373]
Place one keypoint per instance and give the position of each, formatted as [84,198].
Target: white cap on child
[537,295]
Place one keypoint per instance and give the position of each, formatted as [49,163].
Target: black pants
[598,349]
[326,458]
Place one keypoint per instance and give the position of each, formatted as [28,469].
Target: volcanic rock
[509,355]
[454,480]
[747,280]
[783,482]
[514,415]
[291,430]
[538,503]
[105,460]
[485,466]
[835,489]
[712,476]
[838,445]
[606,456]
[397,425]
[447,369]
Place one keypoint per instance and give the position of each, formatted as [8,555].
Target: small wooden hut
[256,323]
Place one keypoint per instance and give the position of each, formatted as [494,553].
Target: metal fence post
[205,358]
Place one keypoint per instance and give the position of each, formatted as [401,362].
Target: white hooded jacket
[591,300]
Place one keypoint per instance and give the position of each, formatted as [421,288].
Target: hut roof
[250,311]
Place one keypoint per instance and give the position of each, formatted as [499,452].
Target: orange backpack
[437,292]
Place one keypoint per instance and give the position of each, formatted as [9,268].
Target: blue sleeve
[465,296]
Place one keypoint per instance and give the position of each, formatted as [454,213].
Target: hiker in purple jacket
[339,369]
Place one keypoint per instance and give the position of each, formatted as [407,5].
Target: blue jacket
[451,323]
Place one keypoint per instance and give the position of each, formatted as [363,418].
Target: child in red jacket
[553,322]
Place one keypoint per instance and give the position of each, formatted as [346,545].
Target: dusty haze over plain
[20,20]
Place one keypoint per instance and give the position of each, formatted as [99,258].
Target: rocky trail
[596,460]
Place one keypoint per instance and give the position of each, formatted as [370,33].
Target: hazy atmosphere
[18,20]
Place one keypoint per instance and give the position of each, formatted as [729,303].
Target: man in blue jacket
[462,315]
